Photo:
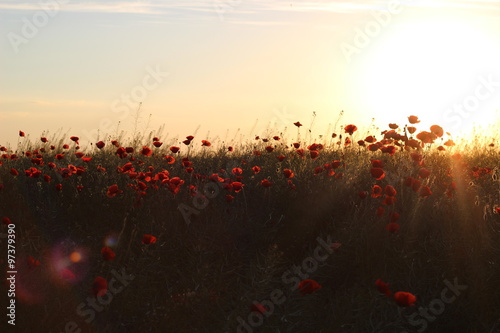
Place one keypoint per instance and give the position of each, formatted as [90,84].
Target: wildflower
[383,287]
[405,299]
[308,286]
[350,129]
[113,190]
[107,253]
[425,191]
[288,173]
[100,286]
[413,120]
[148,239]
[392,227]
[377,173]
[146,151]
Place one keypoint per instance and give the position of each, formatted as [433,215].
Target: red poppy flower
[377,173]
[79,154]
[425,191]
[377,164]
[335,164]
[256,169]
[404,298]
[438,130]
[44,140]
[388,200]
[32,262]
[318,170]
[497,210]
[300,152]
[298,124]
[288,173]
[276,138]
[14,172]
[257,307]
[65,146]
[59,156]
[21,133]
[361,143]
[383,287]
[426,137]
[269,149]
[391,150]
[350,129]
[107,253]
[59,187]
[237,171]
[411,129]
[423,173]
[146,151]
[229,148]
[370,139]
[100,144]
[113,190]
[390,190]
[308,286]
[148,239]
[281,158]
[413,120]
[376,191]
[205,143]
[6,221]
[393,126]
[237,186]
[100,286]
[394,217]
[449,143]
[157,144]
[380,211]
[266,183]
[373,147]
[392,227]
[296,145]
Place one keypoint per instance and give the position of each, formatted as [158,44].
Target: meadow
[395,230]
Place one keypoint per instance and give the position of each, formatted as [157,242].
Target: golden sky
[228,64]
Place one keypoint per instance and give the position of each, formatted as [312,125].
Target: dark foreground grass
[214,258]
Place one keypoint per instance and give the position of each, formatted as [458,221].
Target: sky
[216,66]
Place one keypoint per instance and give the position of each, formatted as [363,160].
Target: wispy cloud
[256,12]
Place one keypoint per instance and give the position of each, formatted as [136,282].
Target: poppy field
[359,230]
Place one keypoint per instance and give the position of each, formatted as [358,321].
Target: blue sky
[225,64]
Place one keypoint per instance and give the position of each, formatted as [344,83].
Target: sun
[445,72]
